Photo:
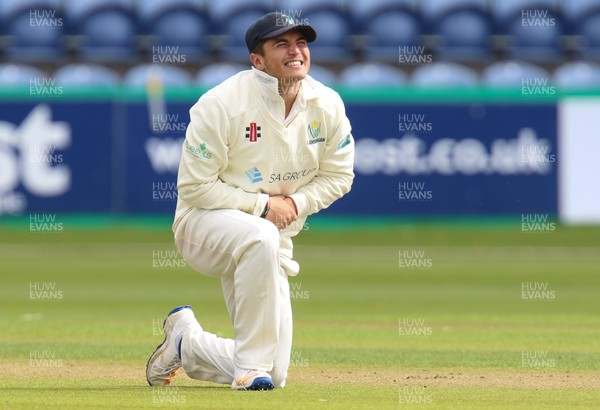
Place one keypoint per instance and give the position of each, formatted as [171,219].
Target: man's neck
[288,90]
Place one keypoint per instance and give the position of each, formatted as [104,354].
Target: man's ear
[257,61]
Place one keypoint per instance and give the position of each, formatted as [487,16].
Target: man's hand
[282,212]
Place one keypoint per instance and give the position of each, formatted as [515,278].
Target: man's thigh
[210,239]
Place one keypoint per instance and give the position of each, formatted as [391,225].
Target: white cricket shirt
[236,152]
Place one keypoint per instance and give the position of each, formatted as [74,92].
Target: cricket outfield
[388,315]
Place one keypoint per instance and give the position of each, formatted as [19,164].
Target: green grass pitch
[388,315]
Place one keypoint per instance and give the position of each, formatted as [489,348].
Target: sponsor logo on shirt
[291,176]
[254,175]
[345,142]
[314,130]
[253,132]
[199,152]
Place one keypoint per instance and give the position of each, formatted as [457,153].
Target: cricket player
[264,149]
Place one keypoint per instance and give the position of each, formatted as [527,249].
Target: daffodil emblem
[314,129]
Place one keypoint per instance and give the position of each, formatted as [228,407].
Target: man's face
[285,56]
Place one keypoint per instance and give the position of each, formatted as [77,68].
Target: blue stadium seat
[576,11]
[333,43]
[534,38]
[214,74]
[577,75]
[464,35]
[79,9]
[533,28]
[583,17]
[333,24]
[542,46]
[171,76]
[221,10]
[35,30]
[18,74]
[510,74]
[182,26]
[391,32]
[231,19]
[444,75]
[363,10]
[9,7]
[365,75]
[234,30]
[433,10]
[306,6]
[148,10]
[322,74]
[107,28]
[589,33]
[506,10]
[86,74]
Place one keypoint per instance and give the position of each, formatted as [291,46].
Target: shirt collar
[267,84]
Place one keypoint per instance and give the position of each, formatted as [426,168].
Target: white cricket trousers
[246,253]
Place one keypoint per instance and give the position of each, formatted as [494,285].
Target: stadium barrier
[418,152]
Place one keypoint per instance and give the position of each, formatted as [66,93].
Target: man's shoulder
[232,84]
[233,92]
[323,96]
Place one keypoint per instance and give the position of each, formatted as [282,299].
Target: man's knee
[264,238]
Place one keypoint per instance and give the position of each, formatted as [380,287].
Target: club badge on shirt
[314,130]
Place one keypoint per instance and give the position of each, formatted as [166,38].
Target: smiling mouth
[294,63]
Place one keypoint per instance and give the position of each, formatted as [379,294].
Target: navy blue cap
[274,24]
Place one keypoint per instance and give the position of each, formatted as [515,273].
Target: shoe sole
[159,349]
